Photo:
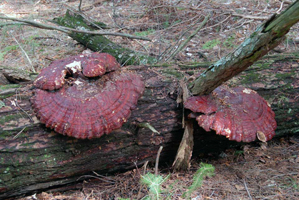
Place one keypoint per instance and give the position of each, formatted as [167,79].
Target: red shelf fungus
[83,107]
[94,64]
[238,113]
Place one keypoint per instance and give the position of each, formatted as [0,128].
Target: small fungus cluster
[85,96]
[238,113]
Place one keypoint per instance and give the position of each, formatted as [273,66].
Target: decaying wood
[34,158]
[184,153]
[14,75]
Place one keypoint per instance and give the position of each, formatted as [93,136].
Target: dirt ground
[255,171]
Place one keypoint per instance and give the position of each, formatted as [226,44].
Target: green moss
[5,134]
[47,156]
[9,118]
[195,65]
[172,72]
[211,43]
[6,50]
[8,93]
[9,86]
[263,64]
[250,77]
[145,33]
[285,76]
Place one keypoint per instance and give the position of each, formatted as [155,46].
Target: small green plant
[145,33]
[210,44]
[238,152]
[204,171]
[154,183]
[6,50]
[229,42]
[2,104]
[294,184]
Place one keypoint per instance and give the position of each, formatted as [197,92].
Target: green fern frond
[204,171]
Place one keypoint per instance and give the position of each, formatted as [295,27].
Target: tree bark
[34,158]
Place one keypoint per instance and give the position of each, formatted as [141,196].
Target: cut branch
[265,38]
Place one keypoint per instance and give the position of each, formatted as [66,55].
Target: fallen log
[101,43]
[34,158]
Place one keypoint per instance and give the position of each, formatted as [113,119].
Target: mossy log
[34,158]
[101,43]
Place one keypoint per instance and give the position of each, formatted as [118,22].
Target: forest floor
[254,171]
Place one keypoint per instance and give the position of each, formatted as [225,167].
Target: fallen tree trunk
[34,158]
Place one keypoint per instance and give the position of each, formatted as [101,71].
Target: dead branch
[204,22]
[250,16]
[70,30]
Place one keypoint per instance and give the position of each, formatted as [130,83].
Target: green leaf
[2,104]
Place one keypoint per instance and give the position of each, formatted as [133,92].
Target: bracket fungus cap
[88,108]
[91,65]
[238,113]
[99,64]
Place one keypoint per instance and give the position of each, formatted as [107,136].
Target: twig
[142,185]
[16,103]
[70,30]
[171,47]
[79,7]
[13,37]
[209,27]
[242,24]
[281,5]
[204,22]
[106,177]
[157,160]
[90,176]
[247,189]
[250,16]
[144,167]
[14,137]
